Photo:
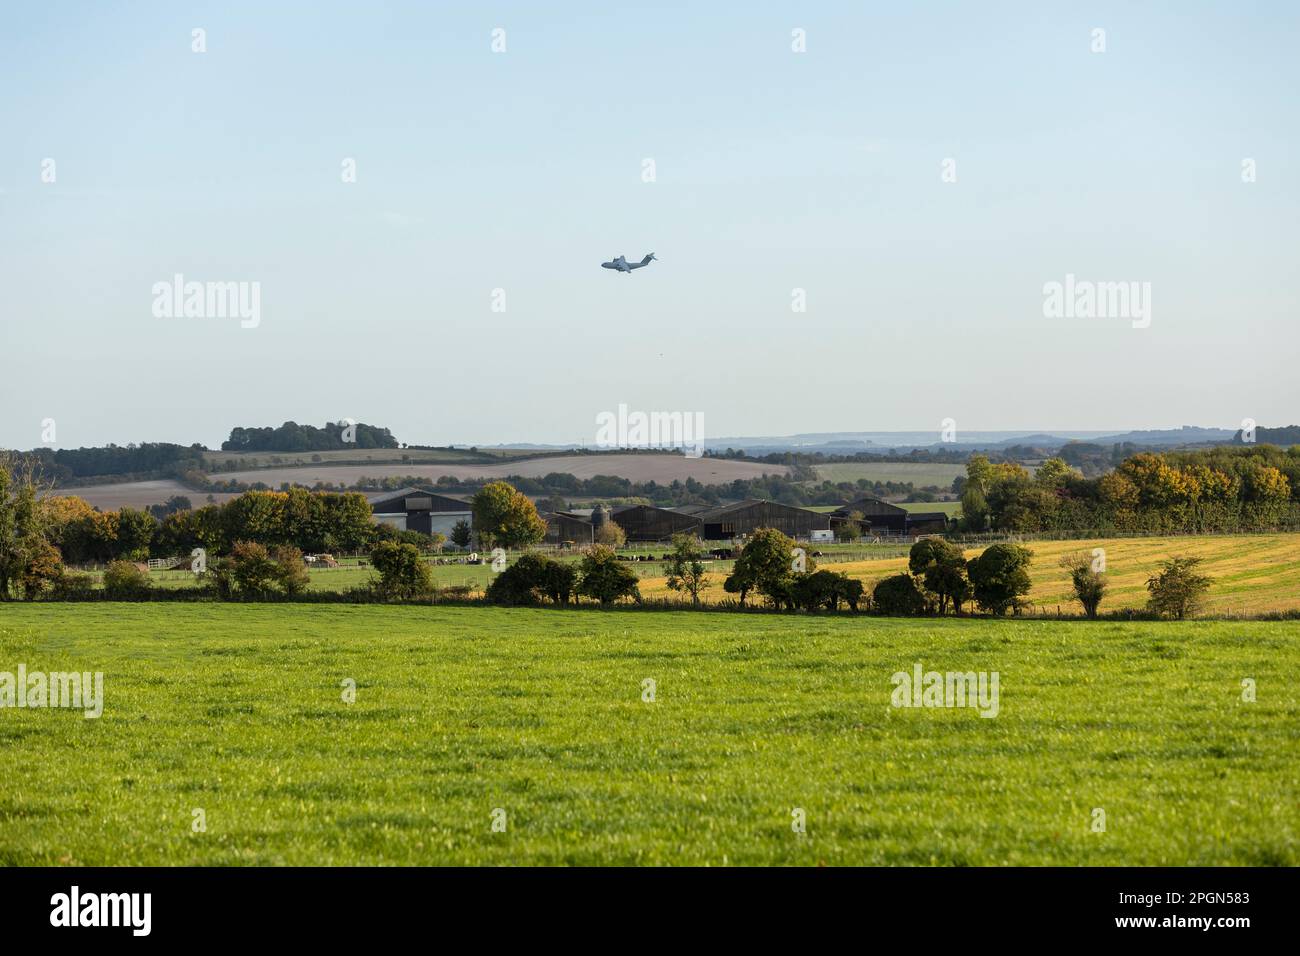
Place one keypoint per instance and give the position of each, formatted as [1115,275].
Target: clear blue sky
[522,171]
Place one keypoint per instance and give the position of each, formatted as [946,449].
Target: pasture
[537,719]
[1253,574]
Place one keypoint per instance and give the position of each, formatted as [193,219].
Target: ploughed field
[541,720]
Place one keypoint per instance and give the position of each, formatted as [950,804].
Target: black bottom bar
[337,905]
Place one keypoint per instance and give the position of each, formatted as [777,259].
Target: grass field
[1252,574]
[237,711]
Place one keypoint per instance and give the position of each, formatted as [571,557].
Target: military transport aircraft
[622,265]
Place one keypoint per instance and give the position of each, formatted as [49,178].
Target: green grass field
[237,710]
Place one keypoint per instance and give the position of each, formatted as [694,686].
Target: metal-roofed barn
[746,517]
[420,509]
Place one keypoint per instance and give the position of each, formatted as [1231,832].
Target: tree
[532,577]
[611,534]
[253,570]
[23,525]
[460,533]
[1089,585]
[1177,589]
[135,530]
[974,503]
[505,517]
[605,578]
[765,565]
[686,571]
[898,596]
[403,574]
[293,575]
[851,529]
[1000,577]
[942,569]
[825,589]
[42,570]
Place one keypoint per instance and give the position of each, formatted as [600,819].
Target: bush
[42,567]
[124,581]
[531,578]
[72,586]
[293,576]
[254,571]
[686,571]
[1000,577]
[611,534]
[402,572]
[765,565]
[1089,585]
[825,589]
[899,596]
[605,578]
[1177,590]
[941,568]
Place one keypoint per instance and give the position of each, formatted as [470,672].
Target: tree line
[1220,489]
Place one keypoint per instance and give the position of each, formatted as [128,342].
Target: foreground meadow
[237,711]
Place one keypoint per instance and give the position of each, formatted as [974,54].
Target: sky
[501,179]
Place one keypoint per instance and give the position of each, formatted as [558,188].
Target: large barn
[420,509]
[884,518]
[641,523]
[746,517]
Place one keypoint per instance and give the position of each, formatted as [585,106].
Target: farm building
[884,518]
[881,515]
[648,523]
[746,517]
[564,526]
[420,509]
[927,522]
[641,523]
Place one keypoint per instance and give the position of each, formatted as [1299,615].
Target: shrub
[851,529]
[531,578]
[686,568]
[293,576]
[1177,590]
[899,596]
[254,571]
[402,572]
[72,586]
[765,565]
[1000,577]
[461,533]
[611,534]
[942,570]
[1089,585]
[42,568]
[825,589]
[124,581]
[605,578]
